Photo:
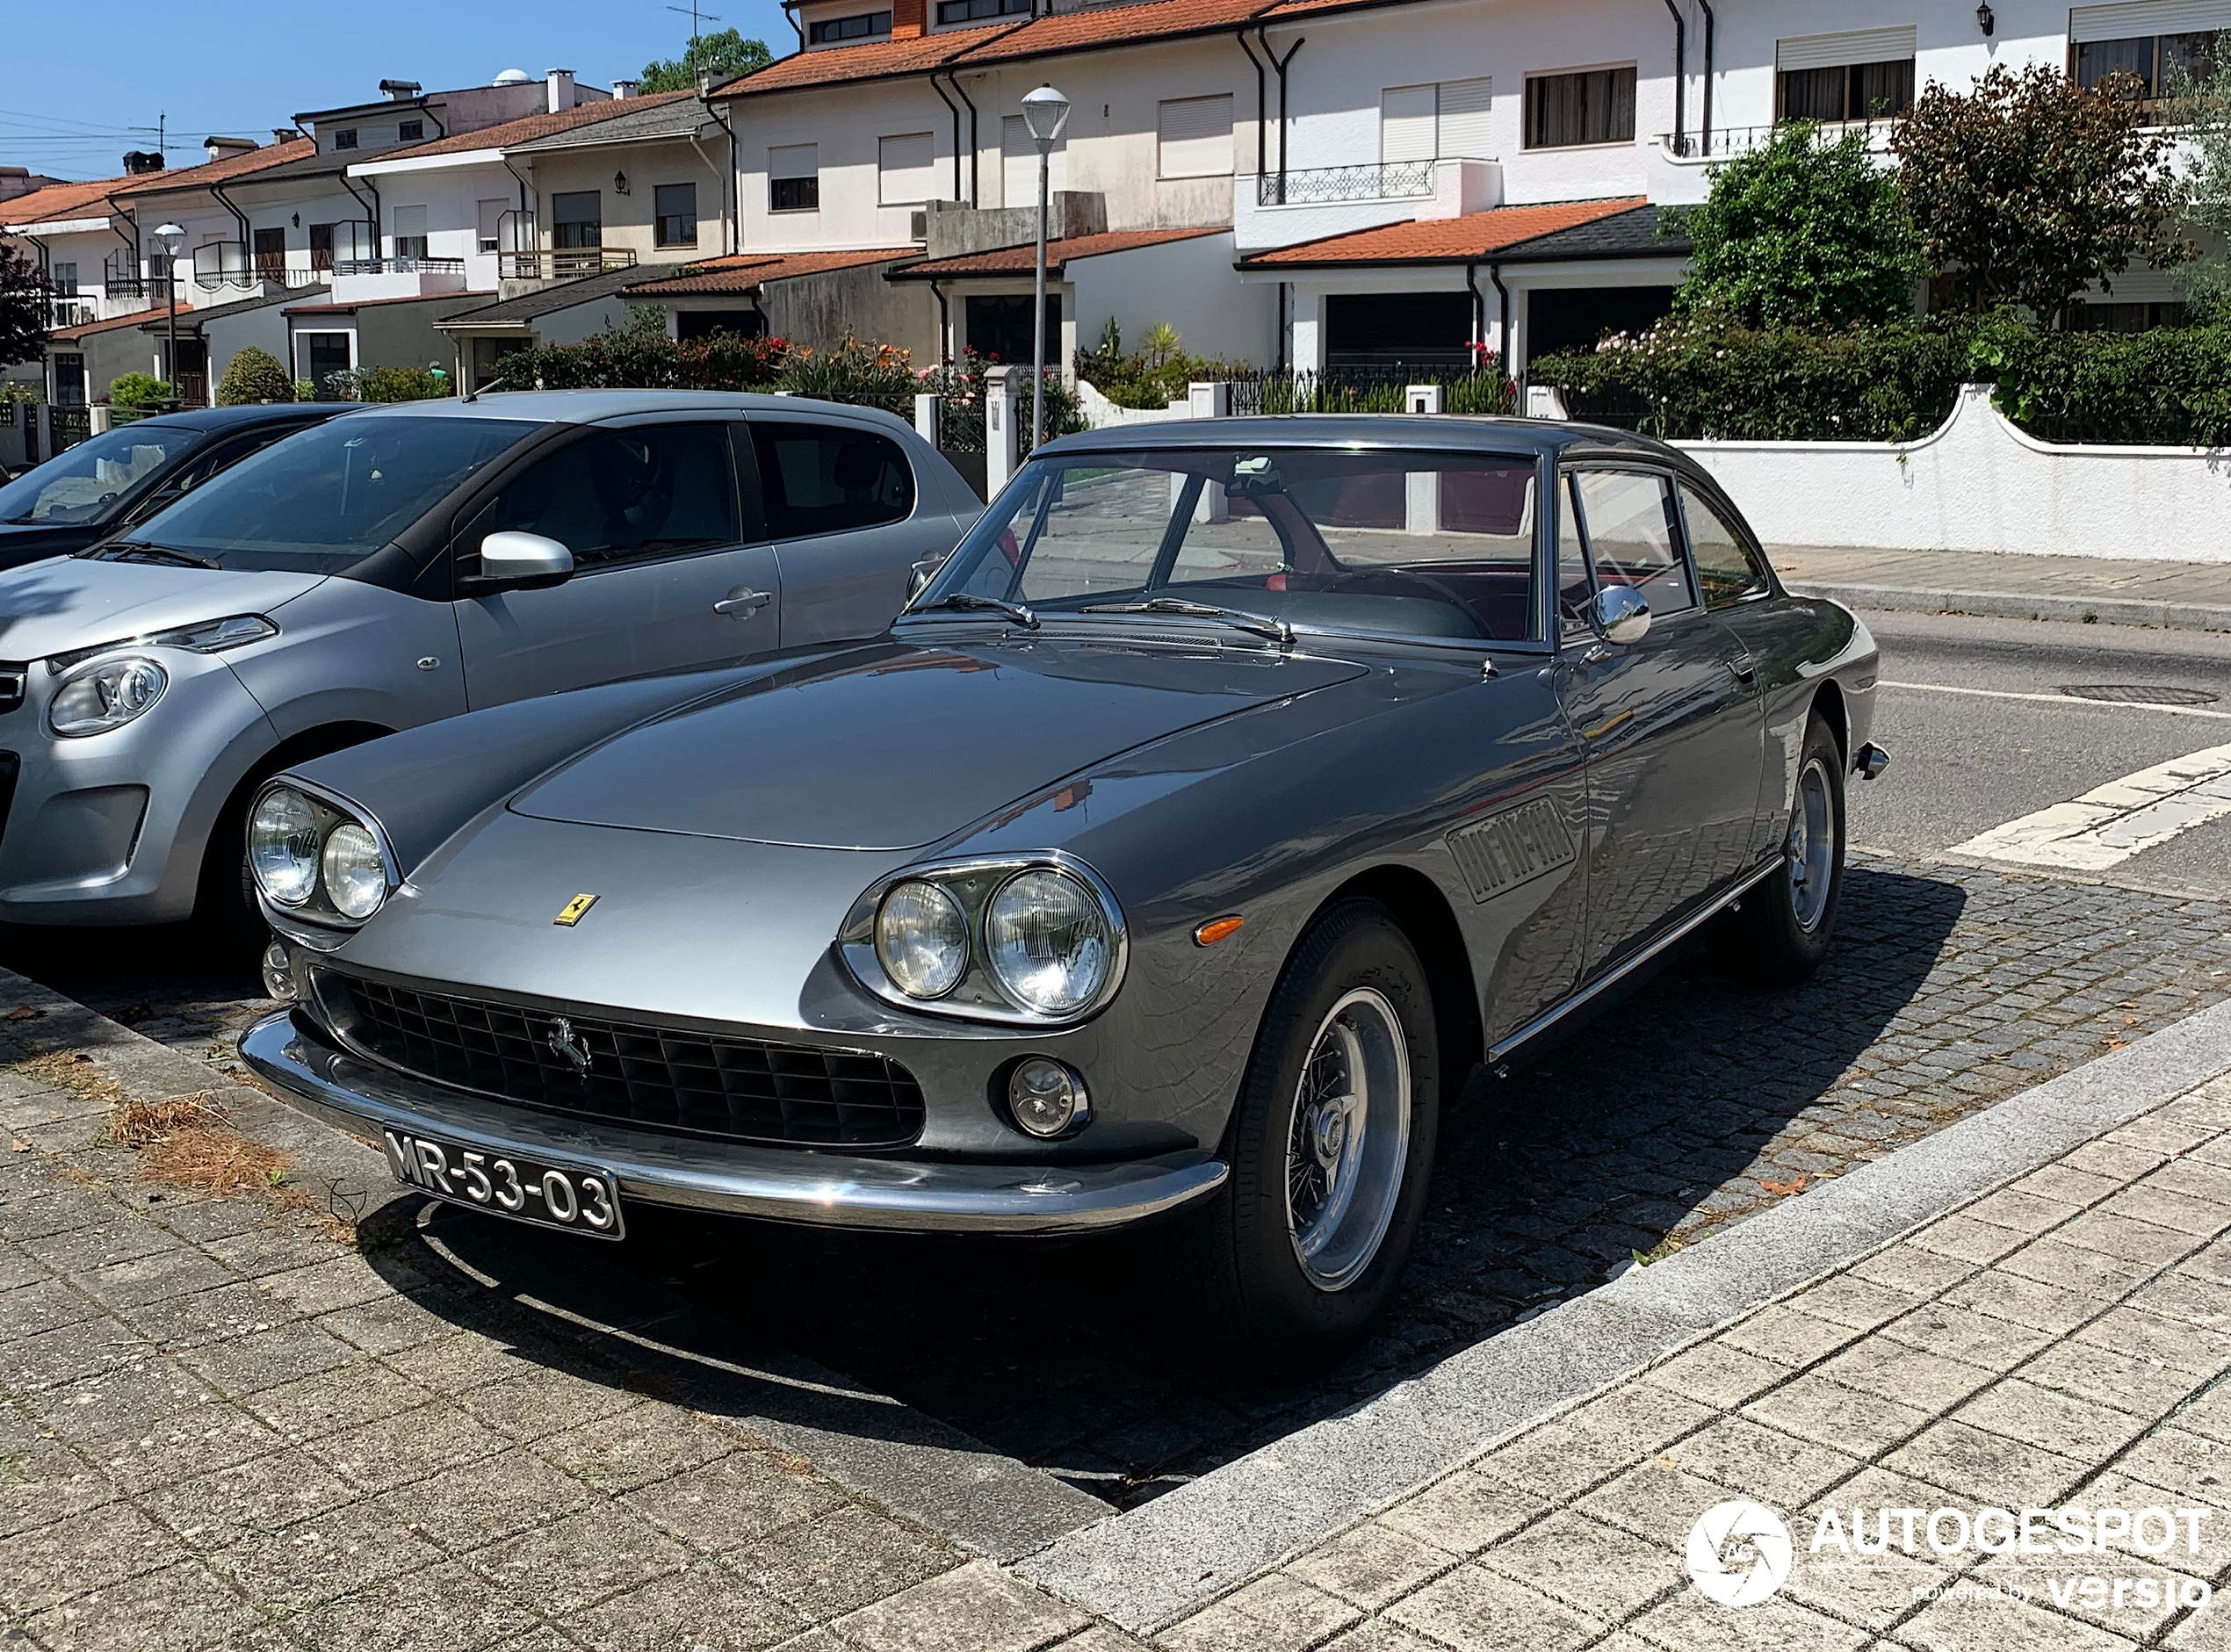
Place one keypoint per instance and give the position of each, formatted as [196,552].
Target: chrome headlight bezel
[972,883]
[332,811]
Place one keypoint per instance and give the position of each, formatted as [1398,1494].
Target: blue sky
[74,79]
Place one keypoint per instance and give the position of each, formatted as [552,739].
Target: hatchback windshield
[1416,543]
[325,498]
[88,482]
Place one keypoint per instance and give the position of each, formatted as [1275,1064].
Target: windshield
[1415,544]
[89,482]
[324,498]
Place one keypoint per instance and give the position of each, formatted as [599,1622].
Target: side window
[1575,589]
[225,455]
[1630,515]
[829,478]
[652,490]
[1725,567]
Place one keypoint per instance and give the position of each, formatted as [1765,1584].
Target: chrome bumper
[783,1184]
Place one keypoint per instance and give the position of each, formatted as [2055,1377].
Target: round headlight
[283,847]
[105,696]
[921,939]
[1048,940]
[355,878]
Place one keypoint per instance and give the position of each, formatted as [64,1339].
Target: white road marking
[2055,699]
[2110,823]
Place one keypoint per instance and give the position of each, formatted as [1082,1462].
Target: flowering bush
[959,388]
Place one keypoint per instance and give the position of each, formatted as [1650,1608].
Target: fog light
[1046,1099]
[278,980]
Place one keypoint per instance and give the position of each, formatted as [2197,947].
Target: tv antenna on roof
[695,13]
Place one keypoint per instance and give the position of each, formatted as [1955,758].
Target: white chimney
[623,88]
[225,148]
[562,95]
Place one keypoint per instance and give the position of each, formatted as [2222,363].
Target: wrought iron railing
[1318,185]
[1691,146]
[398,266]
[562,263]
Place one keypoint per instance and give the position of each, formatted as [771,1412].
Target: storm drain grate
[2138,693]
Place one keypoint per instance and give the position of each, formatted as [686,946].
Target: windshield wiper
[1277,630]
[140,551]
[1014,611]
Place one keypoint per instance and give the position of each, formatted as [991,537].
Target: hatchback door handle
[742,602]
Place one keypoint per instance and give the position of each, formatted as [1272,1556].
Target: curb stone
[2105,611]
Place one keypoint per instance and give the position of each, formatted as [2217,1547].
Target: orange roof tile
[1443,240]
[60,201]
[138,318]
[747,272]
[231,166]
[1022,259]
[529,127]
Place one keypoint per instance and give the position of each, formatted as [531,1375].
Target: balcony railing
[1690,145]
[1323,186]
[398,266]
[562,263]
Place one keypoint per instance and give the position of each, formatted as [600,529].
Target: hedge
[1703,379]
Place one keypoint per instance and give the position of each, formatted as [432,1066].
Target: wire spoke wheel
[1348,1139]
[1810,850]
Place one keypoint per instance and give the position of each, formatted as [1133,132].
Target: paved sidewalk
[2058,1341]
[2110,590]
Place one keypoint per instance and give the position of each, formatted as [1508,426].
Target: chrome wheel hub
[1809,850]
[1349,1141]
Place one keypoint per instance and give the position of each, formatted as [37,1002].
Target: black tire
[1785,926]
[1257,1298]
[224,908]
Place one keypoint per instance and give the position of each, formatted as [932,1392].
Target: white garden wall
[1979,484]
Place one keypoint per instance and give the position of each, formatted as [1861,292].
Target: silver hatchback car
[408,563]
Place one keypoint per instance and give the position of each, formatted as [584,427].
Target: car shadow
[1688,1104]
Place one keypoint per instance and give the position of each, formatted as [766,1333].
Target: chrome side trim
[1557,1013]
[779,1184]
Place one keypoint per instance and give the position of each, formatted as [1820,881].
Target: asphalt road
[1982,731]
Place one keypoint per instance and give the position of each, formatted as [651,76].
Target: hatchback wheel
[1331,1147]
[1786,922]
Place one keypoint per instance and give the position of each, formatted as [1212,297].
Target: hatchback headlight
[314,857]
[106,696]
[1048,940]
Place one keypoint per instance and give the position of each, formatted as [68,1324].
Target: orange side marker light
[1215,929]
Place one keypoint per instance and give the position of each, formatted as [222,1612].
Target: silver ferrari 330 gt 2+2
[1229,794]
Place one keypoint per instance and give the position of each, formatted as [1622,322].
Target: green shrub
[393,384]
[1154,375]
[879,375]
[254,375]
[636,359]
[136,390]
[2168,386]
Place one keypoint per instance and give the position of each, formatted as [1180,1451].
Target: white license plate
[573,1197]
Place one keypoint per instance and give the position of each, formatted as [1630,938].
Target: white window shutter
[794,160]
[1406,116]
[905,169]
[2148,17]
[1195,136]
[1464,119]
[1834,51]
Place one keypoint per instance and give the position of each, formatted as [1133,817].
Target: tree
[254,375]
[2028,189]
[23,309]
[727,53]
[1802,232]
[2199,108]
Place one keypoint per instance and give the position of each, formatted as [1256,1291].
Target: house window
[1588,105]
[64,275]
[2158,60]
[1195,136]
[1443,119]
[577,219]
[270,248]
[865,26]
[321,246]
[490,228]
[676,204]
[346,139]
[905,169]
[976,11]
[1865,74]
[794,178]
[410,232]
[409,131]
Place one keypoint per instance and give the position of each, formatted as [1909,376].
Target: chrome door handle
[742,602]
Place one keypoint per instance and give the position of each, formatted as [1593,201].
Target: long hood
[903,746]
[66,602]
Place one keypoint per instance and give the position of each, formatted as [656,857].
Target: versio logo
[1739,1552]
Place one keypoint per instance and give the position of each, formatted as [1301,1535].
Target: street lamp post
[171,235]
[1045,111]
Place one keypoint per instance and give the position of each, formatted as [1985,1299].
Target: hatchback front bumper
[782,1184]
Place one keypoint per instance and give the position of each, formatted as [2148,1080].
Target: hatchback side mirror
[1621,615]
[511,561]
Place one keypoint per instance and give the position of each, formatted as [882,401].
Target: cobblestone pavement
[223,1423]
[1949,988]
[2060,1341]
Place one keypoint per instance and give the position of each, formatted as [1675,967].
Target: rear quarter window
[816,478]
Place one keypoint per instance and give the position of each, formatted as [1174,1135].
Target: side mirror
[512,560]
[1621,615]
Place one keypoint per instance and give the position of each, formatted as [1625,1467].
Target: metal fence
[1376,181]
[70,425]
[1374,387]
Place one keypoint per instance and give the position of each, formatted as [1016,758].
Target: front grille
[651,1078]
[13,676]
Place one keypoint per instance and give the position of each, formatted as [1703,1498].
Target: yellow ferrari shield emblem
[575,910]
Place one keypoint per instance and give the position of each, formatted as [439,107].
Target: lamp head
[170,235]
[1984,20]
[1045,111]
